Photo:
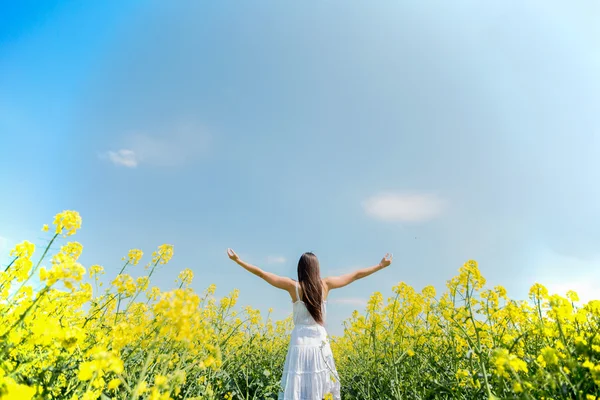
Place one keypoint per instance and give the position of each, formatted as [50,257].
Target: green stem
[481,363]
[137,293]
[11,263]
[123,269]
[117,312]
[34,270]
[135,394]
[22,317]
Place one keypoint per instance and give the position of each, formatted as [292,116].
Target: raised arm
[280,282]
[335,282]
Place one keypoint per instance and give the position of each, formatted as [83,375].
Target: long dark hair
[309,277]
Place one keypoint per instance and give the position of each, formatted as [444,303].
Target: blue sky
[439,131]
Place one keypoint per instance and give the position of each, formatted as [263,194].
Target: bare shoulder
[325,283]
[329,282]
[336,282]
[288,283]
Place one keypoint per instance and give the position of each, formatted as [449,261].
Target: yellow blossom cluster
[471,342]
[63,341]
[132,340]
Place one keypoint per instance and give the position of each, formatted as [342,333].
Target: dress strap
[297,295]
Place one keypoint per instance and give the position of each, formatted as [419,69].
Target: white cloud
[586,289]
[276,259]
[585,283]
[185,143]
[559,274]
[353,301]
[124,157]
[407,207]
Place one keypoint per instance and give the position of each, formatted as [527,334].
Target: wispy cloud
[586,289]
[352,301]
[123,157]
[403,207]
[583,276]
[184,144]
[273,259]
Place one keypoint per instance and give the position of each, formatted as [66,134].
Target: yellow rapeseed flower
[548,357]
[16,391]
[186,276]
[163,255]
[538,291]
[517,387]
[134,256]
[96,270]
[67,222]
[573,296]
[89,341]
[114,383]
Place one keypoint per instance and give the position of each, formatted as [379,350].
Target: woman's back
[309,369]
[301,315]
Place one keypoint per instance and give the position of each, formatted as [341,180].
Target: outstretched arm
[335,282]
[280,282]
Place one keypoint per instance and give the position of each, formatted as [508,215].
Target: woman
[309,371]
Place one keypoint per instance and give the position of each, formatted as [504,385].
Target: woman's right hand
[386,260]
[232,255]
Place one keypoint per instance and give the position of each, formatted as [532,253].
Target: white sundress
[309,371]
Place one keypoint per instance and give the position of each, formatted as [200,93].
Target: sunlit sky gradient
[439,131]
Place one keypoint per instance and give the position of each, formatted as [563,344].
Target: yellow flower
[538,291]
[67,222]
[153,293]
[501,291]
[96,270]
[114,383]
[142,282]
[548,357]
[125,285]
[22,265]
[186,276]
[181,335]
[594,370]
[16,391]
[211,289]
[504,362]
[163,255]
[160,380]
[134,256]
[45,228]
[517,388]
[462,376]
[23,250]
[87,370]
[573,296]
[428,292]
[71,249]
[140,389]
